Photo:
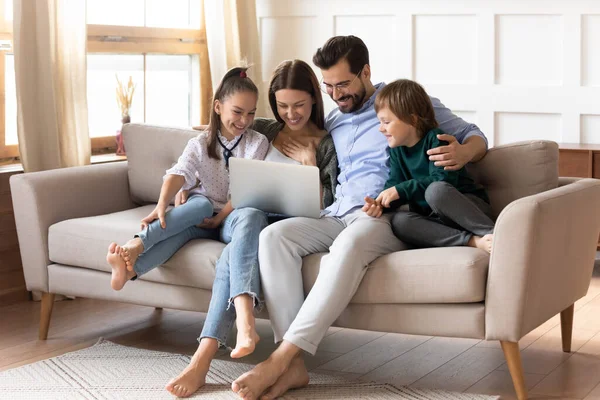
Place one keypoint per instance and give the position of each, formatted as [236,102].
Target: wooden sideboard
[579,160]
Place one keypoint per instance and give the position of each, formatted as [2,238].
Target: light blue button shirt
[362,150]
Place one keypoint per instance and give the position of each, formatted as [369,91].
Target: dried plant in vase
[124,99]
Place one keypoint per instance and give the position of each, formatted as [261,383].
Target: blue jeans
[237,269]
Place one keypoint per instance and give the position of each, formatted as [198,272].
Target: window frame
[117,39]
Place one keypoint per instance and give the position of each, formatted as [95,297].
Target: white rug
[111,371]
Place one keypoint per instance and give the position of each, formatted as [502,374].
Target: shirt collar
[371,100]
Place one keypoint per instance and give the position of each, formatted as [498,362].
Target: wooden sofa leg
[513,359]
[566,327]
[46,314]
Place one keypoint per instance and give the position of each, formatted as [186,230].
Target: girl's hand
[211,223]
[305,154]
[181,197]
[387,196]
[372,208]
[159,214]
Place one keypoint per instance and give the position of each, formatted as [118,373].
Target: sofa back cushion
[517,170]
[151,150]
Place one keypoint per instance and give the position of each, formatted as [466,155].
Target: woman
[297,137]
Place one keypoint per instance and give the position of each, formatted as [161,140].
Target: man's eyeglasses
[340,87]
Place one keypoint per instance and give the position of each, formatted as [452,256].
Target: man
[352,238]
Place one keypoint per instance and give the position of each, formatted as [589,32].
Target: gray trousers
[456,217]
[353,241]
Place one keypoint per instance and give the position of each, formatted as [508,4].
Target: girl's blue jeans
[237,270]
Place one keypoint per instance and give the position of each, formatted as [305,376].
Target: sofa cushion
[437,275]
[151,150]
[84,242]
[516,170]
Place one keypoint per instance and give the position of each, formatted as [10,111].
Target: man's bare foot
[483,243]
[246,342]
[130,252]
[193,377]
[252,384]
[120,274]
[295,377]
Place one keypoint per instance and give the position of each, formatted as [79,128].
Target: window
[156,42]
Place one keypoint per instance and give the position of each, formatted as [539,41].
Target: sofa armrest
[567,180]
[41,199]
[542,259]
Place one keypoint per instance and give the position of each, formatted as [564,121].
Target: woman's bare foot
[247,338]
[193,377]
[120,274]
[483,243]
[130,252]
[246,342]
[295,377]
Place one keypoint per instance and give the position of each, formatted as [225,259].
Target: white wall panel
[590,50]
[438,59]
[529,49]
[590,129]
[515,127]
[381,42]
[280,41]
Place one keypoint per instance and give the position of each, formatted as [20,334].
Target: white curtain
[50,69]
[232,36]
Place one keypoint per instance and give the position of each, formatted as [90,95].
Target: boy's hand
[387,196]
[372,208]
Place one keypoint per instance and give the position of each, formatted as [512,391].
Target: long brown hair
[409,102]
[297,75]
[234,81]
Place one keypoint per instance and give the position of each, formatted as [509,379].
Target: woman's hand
[305,154]
[387,196]
[159,214]
[181,197]
[211,223]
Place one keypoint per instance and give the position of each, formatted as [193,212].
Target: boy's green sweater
[411,173]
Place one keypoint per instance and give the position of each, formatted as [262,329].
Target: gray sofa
[544,248]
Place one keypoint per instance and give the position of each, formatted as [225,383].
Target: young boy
[446,207]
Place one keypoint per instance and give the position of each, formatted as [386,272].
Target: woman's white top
[274,155]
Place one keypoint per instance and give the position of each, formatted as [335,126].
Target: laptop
[278,188]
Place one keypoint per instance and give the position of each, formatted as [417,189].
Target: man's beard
[357,100]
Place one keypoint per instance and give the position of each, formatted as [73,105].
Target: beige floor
[463,365]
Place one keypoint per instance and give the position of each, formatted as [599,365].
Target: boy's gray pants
[456,217]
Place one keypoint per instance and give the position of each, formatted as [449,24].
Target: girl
[446,207]
[208,214]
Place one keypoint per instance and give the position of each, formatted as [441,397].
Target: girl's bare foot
[246,341]
[131,251]
[193,376]
[483,243]
[120,274]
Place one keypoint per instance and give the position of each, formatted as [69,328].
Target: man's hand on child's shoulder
[372,208]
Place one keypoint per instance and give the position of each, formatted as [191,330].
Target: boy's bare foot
[130,252]
[120,274]
[295,377]
[193,377]
[246,341]
[483,243]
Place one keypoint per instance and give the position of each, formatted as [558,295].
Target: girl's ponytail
[235,80]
